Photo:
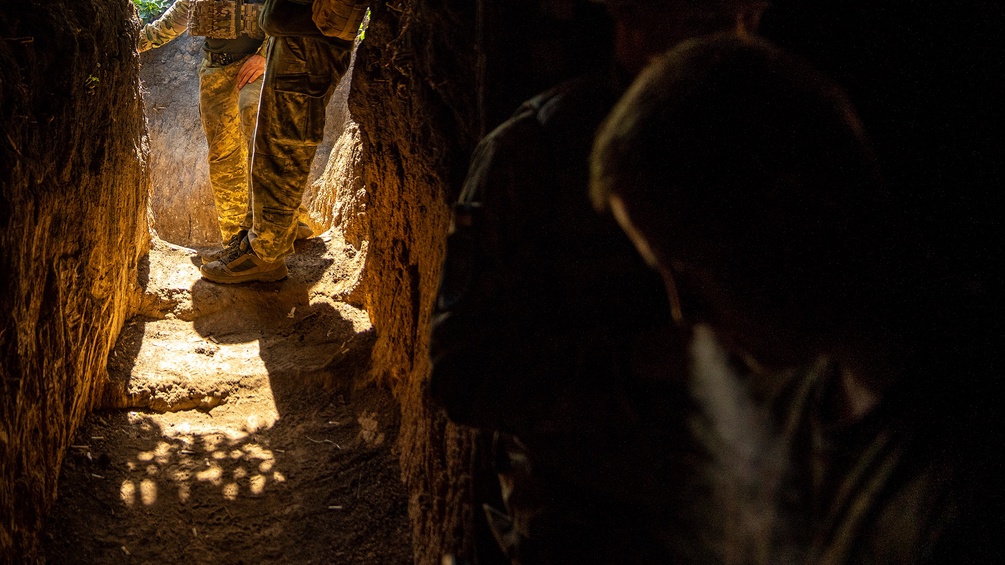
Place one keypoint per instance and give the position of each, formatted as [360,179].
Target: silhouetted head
[745,178]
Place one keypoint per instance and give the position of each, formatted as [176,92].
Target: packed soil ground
[244,434]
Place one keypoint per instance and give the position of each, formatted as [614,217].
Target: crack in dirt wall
[73,202]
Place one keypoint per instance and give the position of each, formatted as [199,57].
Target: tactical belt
[223,59]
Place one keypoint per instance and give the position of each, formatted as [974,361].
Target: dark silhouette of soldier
[746,178]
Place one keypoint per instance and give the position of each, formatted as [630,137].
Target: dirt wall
[73,205]
[431,78]
[182,200]
[412,96]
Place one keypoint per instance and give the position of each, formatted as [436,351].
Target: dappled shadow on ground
[320,486]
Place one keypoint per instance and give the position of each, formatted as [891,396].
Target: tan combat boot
[243,265]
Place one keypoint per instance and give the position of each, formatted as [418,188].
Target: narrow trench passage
[242,437]
[238,430]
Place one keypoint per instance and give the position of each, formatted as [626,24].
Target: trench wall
[431,77]
[411,98]
[73,230]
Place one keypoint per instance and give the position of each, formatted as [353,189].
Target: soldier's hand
[250,70]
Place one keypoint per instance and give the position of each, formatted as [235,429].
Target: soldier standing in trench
[549,329]
[308,52]
[230,84]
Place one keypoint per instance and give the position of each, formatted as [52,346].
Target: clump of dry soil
[240,432]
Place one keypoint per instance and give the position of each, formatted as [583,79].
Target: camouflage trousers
[228,118]
[300,76]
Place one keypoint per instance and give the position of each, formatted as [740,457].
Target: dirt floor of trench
[242,435]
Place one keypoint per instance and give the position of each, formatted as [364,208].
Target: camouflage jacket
[175,21]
